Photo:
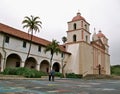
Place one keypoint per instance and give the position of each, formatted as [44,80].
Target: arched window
[81,23]
[74,38]
[85,26]
[74,26]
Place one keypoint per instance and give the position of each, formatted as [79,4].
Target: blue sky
[103,15]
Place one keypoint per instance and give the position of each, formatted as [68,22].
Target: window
[24,44]
[74,26]
[39,48]
[85,26]
[62,55]
[81,23]
[7,38]
[74,38]
[64,46]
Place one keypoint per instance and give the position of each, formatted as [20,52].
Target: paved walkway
[59,86]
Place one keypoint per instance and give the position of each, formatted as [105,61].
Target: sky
[103,15]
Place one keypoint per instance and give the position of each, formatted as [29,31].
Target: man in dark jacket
[52,74]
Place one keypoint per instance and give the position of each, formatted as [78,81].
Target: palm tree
[33,24]
[64,39]
[53,47]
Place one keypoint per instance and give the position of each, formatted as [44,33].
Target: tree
[33,24]
[64,39]
[53,47]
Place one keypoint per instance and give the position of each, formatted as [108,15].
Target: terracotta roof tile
[78,17]
[100,34]
[20,34]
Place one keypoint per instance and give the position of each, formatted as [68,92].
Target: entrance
[44,66]
[30,63]
[13,60]
[56,67]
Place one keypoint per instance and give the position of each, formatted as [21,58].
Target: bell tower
[86,54]
[78,40]
[78,30]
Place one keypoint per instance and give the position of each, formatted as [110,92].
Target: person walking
[52,75]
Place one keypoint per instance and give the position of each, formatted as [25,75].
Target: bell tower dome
[78,29]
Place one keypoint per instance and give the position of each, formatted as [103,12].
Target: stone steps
[3,77]
[96,76]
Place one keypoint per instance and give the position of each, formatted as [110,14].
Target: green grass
[115,70]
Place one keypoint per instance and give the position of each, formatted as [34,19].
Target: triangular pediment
[98,43]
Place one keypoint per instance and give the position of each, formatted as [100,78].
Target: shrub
[115,70]
[58,74]
[43,73]
[29,73]
[73,75]
[10,71]
[26,72]
[20,71]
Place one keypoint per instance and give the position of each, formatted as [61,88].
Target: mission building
[79,54]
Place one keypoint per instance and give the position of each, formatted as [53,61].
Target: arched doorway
[13,60]
[30,63]
[44,66]
[56,67]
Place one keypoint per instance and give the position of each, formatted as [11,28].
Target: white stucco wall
[107,64]
[78,34]
[86,58]
[78,25]
[73,64]
[15,46]
[1,39]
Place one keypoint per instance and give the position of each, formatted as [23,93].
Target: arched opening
[74,38]
[44,66]
[86,38]
[13,60]
[56,67]
[30,63]
[85,26]
[81,23]
[74,26]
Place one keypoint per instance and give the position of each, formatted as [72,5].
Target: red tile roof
[20,34]
[78,17]
[100,34]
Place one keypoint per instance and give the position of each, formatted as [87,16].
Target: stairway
[96,76]
[2,77]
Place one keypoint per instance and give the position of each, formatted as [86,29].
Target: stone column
[22,64]
[37,67]
[2,65]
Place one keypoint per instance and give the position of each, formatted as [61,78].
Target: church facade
[88,57]
[79,54]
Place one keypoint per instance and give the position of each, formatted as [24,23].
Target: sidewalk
[17,77]
[60,86]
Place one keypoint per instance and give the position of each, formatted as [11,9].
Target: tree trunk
[30,45]
[51,62]
[63,70]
